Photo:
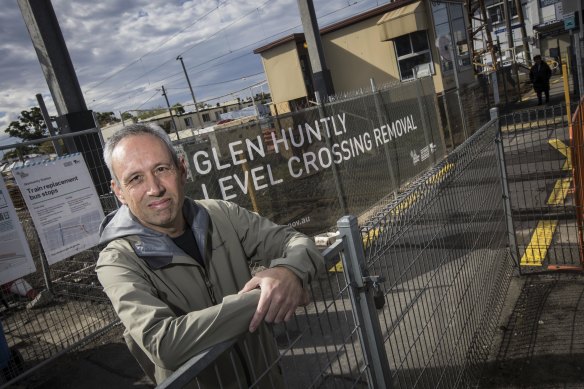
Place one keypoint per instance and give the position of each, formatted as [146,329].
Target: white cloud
[124,51]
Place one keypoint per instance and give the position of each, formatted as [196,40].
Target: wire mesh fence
[304,168]
[538,157]
[308,168]
[426,277]
[57,306]
[319,347]
[442,252]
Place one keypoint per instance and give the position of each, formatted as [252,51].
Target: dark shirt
[188,244]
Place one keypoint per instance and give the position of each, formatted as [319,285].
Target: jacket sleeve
[273,245]
[169,339]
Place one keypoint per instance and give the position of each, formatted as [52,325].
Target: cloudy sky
[124,51]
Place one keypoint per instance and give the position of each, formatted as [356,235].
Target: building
[545,29]
[391,43]
[190,120]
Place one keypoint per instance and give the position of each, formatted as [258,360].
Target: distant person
[539,75]
[177,270]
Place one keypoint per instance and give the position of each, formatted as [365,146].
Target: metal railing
[538,148]
[426,278]
[323,339]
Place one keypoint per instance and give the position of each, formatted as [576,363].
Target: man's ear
[118,191]
[182,168]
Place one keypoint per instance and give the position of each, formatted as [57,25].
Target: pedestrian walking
[539,75]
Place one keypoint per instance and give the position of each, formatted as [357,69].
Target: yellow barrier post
[567,93]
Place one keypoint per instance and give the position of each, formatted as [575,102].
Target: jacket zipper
[208,284]
[238,350]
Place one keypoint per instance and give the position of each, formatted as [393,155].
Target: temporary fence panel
[441,252]
[49,311]
[538,158]
[577,156]
[308,168]
[427,278]
[319,347]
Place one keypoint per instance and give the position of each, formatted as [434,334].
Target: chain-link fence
[58,306]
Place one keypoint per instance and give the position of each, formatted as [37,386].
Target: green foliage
[127,116]
[178,108]
[30,125]
[106,118]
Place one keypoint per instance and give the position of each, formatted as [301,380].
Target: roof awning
[402,21]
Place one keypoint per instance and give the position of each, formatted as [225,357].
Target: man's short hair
[132,130]
[537,57]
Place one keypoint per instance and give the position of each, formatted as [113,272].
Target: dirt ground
[104,362]
[540,340]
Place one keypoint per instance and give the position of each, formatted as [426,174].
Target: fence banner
[15,257]
[63,204]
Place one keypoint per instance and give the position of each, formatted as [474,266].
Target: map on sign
[63,204]
[15,256]
[69,231]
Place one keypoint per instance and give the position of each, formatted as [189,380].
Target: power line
[192,47]
[157,47]
[176,74]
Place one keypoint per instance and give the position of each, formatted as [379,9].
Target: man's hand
[281,293]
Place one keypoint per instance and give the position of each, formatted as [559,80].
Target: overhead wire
[178,73]
[159,46]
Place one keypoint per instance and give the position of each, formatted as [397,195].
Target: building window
[206,117]
[217,116]
[188,122]
[414,57]
[449,26]
[496,12]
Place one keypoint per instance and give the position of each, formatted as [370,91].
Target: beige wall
[282,67]
[355,54]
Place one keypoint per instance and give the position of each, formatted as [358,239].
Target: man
[539,75]
[177,270]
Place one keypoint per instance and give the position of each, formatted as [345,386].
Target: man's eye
[134,180]
[162,170]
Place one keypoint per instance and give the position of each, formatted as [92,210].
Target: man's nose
[154,185]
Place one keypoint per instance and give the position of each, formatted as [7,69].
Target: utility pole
[510,43]
[180,58]
[49,124]
[524,39]
[47,39]
[170,112]
[320,74]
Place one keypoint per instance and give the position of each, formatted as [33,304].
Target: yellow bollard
[567,93]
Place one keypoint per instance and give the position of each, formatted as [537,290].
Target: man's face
[149,183]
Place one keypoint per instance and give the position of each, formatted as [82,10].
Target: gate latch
[378,296]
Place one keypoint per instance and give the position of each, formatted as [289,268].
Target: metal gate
[426,279]
[537,153]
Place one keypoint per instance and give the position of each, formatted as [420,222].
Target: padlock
[378,297]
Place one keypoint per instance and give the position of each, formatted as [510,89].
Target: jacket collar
[155,248]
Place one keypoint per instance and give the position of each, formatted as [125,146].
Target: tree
[178,108]
[105,118]
[29,126]
[127,116]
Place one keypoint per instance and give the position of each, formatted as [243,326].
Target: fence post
[427,135]
[513,249]
[337,178]
[364,310]
[380,118]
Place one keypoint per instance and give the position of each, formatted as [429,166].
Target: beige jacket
[172,307]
